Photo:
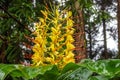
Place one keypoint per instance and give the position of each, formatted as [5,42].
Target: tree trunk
[79,36]
[105,39]
[105,54]
[90,43]
[118,17]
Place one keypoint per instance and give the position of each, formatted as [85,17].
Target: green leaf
[51,74]
[6,69]
[33,72]
[69,66]
[86,70]
[78,74]
[73,71]
[26,72]
[109,68]
[18,73]
[98,78]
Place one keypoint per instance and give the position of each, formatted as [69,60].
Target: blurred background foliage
[92,19]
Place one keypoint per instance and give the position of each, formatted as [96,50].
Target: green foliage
[85,70]
[109,68]
[16,20]
[15,17]
[23,71]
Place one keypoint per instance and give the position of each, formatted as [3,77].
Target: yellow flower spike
[56,39]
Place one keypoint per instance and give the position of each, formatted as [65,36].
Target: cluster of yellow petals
[39,47]
[52,46]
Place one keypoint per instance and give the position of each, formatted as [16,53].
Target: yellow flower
[55,31]
[36,48]
[50,60]
[69,23]
[69,58]
[42,20]
[53,38]
[52,47]
[37,59]
[57,13]
[70,31]
[38,39]
[69,39]
[45,13]
[69,14]
[70,46]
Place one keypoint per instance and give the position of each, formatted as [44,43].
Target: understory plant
[85,70]
[53,41]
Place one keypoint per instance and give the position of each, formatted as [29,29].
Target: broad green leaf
[69,66]
[109,68]
[78,74]
[32,72]
[18,73]
[51,74]
[26,72]
[5,69]
[86,70]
